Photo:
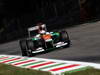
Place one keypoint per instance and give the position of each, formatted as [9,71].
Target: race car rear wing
[36,27]
[33,28]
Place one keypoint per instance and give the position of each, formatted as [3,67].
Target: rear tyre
[23,47]
[64,37]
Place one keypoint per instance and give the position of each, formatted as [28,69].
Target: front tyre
[64,37]
[23,47]
[30,45]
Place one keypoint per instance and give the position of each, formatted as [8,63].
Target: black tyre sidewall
[65,37]
[30,44]
[23,47]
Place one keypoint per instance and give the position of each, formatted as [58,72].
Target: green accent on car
[34,39]
[55,33]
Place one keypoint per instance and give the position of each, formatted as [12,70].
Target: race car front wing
[57,45]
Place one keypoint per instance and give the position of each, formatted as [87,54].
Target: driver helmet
[42,31]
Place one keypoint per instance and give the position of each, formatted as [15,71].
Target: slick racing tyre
[23,47]
[30,45]
[64,37]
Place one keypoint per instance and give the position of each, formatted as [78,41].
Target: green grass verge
[11,70]
[84,71]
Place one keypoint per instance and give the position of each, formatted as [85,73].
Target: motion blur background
[17,15]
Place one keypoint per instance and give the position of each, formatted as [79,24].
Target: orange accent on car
[46,37]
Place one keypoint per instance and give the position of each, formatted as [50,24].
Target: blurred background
[17,15]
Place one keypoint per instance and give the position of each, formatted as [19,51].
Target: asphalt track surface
[85,46]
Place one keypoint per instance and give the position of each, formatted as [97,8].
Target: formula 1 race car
[40,40]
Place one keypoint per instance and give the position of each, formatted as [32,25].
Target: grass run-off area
[11,70]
